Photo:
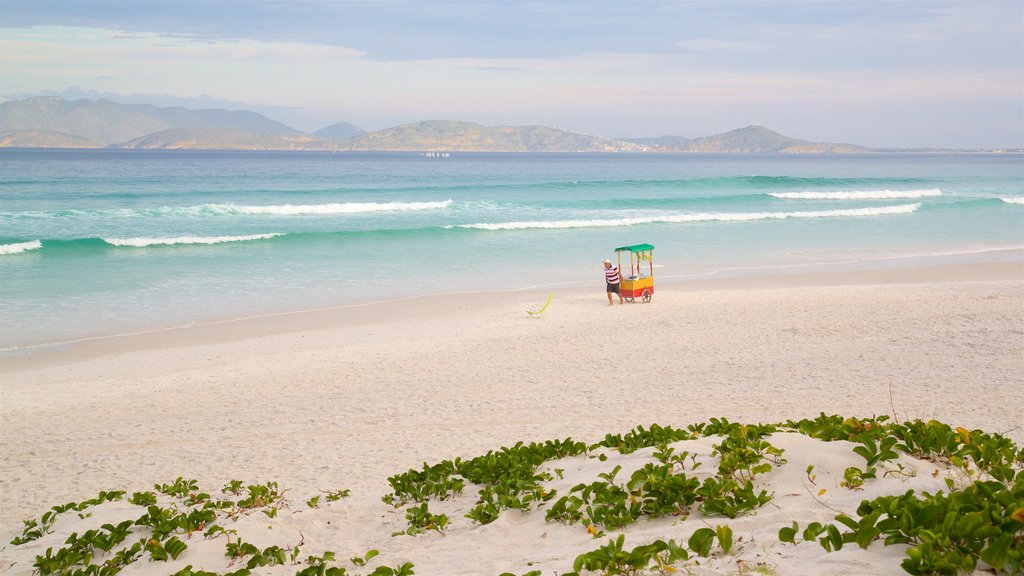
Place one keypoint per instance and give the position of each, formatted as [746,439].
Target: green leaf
[832,540]
[724,534]
[865,536]
[701,540]
[788,533]
[813,530]
[175,547]
[847,521]
[995,555]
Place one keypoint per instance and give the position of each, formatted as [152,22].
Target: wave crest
[1013,200]
[19,247]
[334,208]
[143,242]
[235,210]
[682,218]
[858,195]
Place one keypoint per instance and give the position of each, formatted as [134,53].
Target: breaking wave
[19,247]
[234,210]
[143,242]
[858,195]
[333,208]
[682,218]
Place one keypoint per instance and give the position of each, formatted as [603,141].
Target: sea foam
[699,217]
[858,195]
[232,210]
[332,208]
[1013,199]
[19,247]
[143,242]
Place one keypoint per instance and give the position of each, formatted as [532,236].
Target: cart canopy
[636,248]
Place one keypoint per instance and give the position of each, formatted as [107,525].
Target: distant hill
[657,141]
[102,121]
[52,122]
[106,122]
[214,118]
[758,139]
[339,131]
[449,135]
[227,139]
[43,139]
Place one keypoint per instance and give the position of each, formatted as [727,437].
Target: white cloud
[90,47]
[591,92]
[711,45]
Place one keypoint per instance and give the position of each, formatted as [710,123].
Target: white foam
[857,195]
[333,208]
[143,242]
[1013,200]
[682,218]
[237,209]
[19,247]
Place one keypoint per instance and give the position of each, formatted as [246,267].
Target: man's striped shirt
[612,275]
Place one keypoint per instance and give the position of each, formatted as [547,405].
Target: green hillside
[58,123]
[43,139]
[758,139]
[448,135]
[227,139]
[106,122]
[339,131]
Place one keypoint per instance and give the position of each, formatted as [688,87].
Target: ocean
[103,242]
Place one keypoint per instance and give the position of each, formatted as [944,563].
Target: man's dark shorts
[613,288]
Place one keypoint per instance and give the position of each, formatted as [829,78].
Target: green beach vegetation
[976,522]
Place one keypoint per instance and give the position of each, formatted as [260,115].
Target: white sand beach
[350,396]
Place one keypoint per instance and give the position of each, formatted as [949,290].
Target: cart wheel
[628,299]
[646,296]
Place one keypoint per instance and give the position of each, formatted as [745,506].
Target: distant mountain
[339,131]
[449,135]
[43,139]
[758,139]
[106,122]
[52,122]
[102,121]
[227,139]
[215,118]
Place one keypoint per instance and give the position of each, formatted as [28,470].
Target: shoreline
[418,307]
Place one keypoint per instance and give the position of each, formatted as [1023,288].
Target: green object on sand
[541,310]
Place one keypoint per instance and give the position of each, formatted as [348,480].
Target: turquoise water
[101,242]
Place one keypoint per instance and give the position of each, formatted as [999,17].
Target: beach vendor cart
[640,281]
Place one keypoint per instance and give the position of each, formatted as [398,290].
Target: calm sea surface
[104,242]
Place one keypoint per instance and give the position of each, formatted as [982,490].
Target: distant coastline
[52,122]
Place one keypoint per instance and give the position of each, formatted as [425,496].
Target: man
[611,277]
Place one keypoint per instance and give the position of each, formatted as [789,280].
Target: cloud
[838,67]
[150,46]
[713,45]
[99,48]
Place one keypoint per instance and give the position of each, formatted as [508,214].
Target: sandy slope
[349,397]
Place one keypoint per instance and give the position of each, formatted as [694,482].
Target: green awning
[636,248]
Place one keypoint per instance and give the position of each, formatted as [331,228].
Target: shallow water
[96,242]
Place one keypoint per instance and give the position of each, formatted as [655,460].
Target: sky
[908,73]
